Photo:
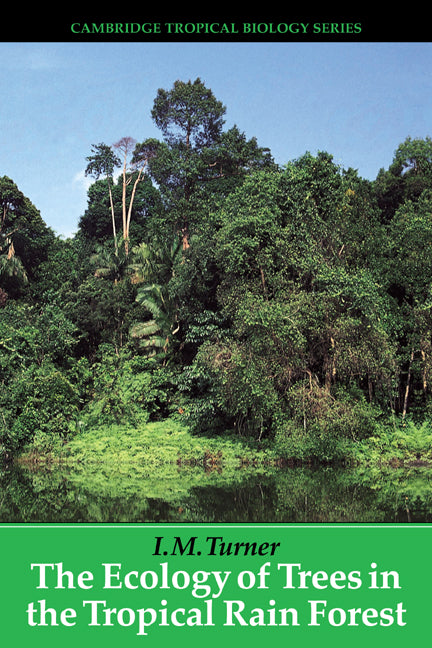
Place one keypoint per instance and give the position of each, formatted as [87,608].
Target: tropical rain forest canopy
[288,304]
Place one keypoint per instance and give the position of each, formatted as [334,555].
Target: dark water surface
[171,494]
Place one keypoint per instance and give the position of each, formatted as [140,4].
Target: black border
[32,24]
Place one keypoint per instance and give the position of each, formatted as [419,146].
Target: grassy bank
[154,444]
[397,443]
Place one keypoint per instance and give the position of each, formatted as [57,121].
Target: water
[132,493]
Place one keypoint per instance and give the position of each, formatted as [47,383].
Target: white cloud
[29,56]
[80,178]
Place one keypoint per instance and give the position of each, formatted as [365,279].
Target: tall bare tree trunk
[113,219]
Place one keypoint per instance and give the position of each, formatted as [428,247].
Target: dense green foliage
[210,286]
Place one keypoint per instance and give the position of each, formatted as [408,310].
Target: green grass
[169,442]
[397,442]
[153,444]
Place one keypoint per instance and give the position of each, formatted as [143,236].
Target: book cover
[215,332]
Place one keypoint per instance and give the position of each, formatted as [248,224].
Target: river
[133,494]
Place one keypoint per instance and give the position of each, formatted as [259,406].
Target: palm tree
[155,263]
[110,264]
[153,267]
[10,264]
[156,334]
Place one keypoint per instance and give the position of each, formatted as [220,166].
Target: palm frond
[144,329]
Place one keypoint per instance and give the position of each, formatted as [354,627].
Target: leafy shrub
[128,389]
[323,427]
[400,440]
[226,389]
[40,402]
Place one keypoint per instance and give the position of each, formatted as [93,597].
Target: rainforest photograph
[232,321]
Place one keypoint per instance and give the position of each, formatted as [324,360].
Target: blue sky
[357,101]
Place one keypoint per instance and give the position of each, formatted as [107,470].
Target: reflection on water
[172,494]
